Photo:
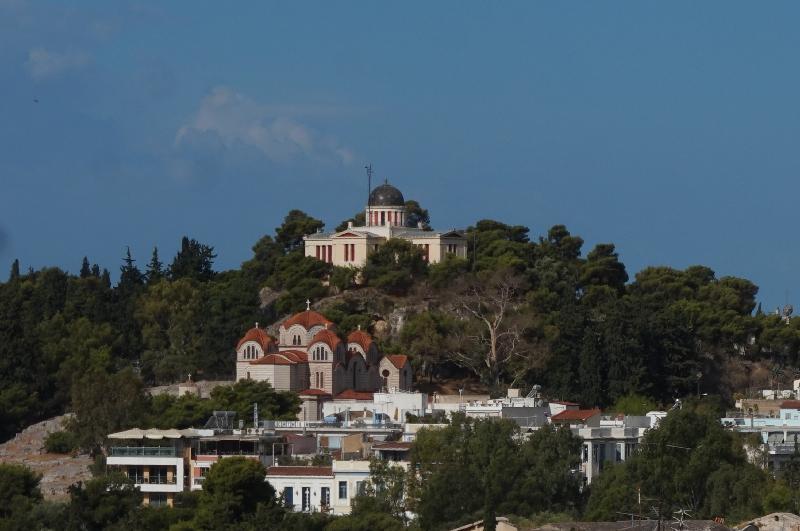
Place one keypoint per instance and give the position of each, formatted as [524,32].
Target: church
[309,358]
[385,219]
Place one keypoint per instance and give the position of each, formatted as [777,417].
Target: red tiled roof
[350,394]
[314,392]
[360,337]
[307,319]
[295,355]
[790,404]
[327,337]
[398,360]
[575,414]
[325,471]
[273,359]
[398,446]
[259,335]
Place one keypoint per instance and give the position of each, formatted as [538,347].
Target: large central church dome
[386,195]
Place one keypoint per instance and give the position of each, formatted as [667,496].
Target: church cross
[308,305]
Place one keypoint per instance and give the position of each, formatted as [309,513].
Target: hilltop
[515,311]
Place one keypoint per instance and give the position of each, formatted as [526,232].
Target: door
[306,499]
[288,497]
[325,496]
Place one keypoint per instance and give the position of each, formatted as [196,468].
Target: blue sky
[668,128]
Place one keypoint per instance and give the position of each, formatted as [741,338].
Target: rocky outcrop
[58,471]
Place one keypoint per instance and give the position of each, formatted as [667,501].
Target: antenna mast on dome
[368,167]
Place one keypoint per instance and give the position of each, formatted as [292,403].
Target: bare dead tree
[492,332]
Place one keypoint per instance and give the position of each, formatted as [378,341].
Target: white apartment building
[320,488]
[156,461]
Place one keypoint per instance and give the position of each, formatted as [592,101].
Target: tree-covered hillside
[517,311]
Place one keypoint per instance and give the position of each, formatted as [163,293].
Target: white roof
[153,433]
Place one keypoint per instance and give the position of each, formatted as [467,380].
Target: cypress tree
[96,271]
[86,270]
[14,270]
[106,278]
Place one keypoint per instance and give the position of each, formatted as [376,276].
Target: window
[288,496]
[157,499]
[349,252]
[319,354]
[248,375]
[158,475]
[361,488]
[325,496]
[135,474]
[342,490]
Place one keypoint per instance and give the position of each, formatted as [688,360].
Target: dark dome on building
[386,195]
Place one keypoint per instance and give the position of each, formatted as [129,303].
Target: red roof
[327,337]
[350,394]
[325,471]
[398,360]
[575,414]
[361,338]
[286,357]
[307,319]
[273,359]
[259,335]
[295,355]
[314,392]
[790,404]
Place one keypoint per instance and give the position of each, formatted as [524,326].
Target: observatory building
[386,218]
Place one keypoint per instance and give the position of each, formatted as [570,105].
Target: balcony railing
[142,451]
[153,480]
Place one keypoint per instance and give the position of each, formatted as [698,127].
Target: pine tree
[106,278]
[195,260]
[96,271]
[155,269]
[86,270]
[130,276]
[14,270]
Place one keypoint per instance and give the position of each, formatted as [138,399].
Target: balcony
[142,451]
[153,480]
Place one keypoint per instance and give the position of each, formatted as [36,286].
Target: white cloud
[43,64]
[272,130]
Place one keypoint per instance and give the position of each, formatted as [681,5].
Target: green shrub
[60,442]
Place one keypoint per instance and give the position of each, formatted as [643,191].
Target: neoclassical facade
[310,358]
[385,219]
